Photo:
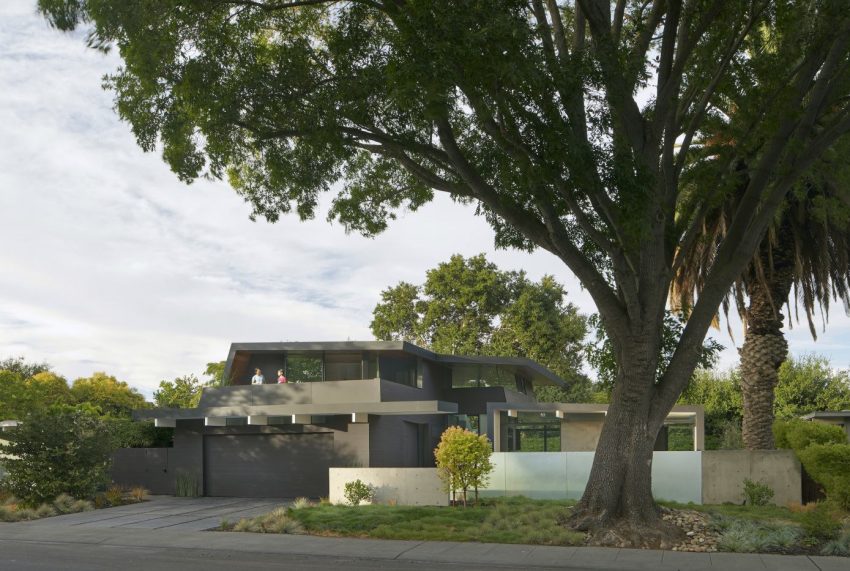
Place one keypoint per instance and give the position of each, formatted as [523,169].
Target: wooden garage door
[267,465]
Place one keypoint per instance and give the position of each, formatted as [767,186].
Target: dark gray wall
[157,468]
[393,440]
[146,467]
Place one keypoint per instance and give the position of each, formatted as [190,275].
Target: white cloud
[107,262]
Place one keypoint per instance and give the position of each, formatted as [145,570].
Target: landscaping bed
[13,510]
[816,529]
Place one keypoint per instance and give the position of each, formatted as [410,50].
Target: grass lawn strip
[744,529]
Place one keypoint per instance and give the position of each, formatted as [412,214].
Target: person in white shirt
[258,378]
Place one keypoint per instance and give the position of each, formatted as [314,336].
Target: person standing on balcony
[281,378]
[258,378]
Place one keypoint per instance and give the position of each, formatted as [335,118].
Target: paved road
[163,534]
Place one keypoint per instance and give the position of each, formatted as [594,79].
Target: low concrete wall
[724,471]
[405,486]
[564,475]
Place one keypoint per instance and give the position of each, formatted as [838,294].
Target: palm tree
[807,250]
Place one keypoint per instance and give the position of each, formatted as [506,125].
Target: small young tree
[463,460]
[55,451]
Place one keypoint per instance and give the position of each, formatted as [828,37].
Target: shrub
[840,546]
[25,514]
[829,465]
[63,504]
[45,510]
[114,495]
[463,460]
[357,492]
[276,521]
[82,506]
[301,503]
[746,536]
[187,486]
[139,493]
[820,524]
[757,493]
[54,451]
[800,434]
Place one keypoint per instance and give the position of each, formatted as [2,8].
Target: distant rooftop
[827,414]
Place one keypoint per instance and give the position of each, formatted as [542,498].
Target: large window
[471,422]
[370,366]
[402,369]
[303,367]
[531,432]
[343,366]
[464,376]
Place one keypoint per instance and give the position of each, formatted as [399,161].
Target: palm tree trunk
[765,347]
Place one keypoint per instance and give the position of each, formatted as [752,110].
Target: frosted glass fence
[676,476]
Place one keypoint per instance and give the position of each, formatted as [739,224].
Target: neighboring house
[838,417]
[358,404]
[4,426]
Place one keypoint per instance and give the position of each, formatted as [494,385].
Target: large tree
[570,126]
[468,306]
[806,250]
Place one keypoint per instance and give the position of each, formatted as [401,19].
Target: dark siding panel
[146,467]
[268,465]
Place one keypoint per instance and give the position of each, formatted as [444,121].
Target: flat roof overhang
[379,408]
[681,414]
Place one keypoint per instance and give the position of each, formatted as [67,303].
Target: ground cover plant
[13,509]
[817,529]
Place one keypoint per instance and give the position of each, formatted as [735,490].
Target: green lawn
[510,520]
[755,529]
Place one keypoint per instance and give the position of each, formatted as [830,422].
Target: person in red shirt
[280,377]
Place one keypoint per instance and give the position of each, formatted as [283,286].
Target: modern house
[357,404]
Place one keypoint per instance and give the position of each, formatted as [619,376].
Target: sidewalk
[498,555]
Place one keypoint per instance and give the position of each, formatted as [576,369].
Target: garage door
[267,465]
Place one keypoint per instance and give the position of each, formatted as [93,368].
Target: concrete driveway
[163,512]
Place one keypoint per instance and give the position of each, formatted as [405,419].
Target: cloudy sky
[108,262]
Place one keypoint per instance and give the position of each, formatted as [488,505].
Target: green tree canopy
[111,396]
[809,383]
[57,450]
[23,367]
[468,306]
[182,392]
[215,373]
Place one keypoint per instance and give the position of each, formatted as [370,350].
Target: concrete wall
[581,433]
[563,475]
[405,486]
[328,392]
[724,471]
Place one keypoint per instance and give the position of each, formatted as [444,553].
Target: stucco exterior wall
[724,471]
[404,486]
[581,435]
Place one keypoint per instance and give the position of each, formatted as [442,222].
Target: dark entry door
[267,465]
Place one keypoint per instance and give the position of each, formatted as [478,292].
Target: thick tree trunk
[617,507]
[765,348]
